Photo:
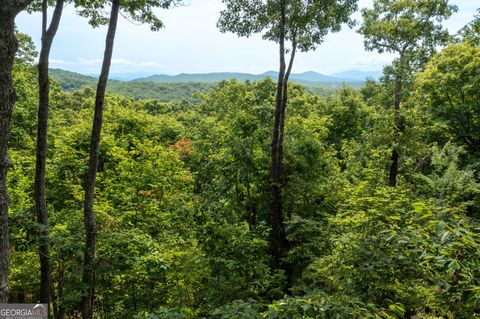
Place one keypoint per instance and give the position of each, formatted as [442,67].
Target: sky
[191,43]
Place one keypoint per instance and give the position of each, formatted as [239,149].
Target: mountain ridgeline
[309,78]
[185,86]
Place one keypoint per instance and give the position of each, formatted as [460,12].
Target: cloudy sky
[191,43]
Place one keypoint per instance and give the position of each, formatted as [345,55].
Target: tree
[8,46]
[412,29]
[471,31]
[90,226]
[48,35]
[138,11]
[449,89]
[304,24]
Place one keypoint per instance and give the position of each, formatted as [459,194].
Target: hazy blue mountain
[358,75]
[318,77]
[126,76]
[184,86]
[202,77]
[307,78]
[272,74]
[130,75]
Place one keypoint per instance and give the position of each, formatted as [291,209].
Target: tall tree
[449,88]
[48,34]
[90,226]
[139,11]
[412,29]
[8,47]
[303,24]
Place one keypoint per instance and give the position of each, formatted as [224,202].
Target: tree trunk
[285,96]
[398,127]
[59,309]
[8,47]
[287,267]
[278,238]
[43,103]
[90,226]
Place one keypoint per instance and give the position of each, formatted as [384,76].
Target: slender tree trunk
[398,127]
[40,197]
[59,309]
[285,96]
[287,267]
[8,47]
[250,207]
[278,237]
[90,226]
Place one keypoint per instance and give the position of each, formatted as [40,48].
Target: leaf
[445,237]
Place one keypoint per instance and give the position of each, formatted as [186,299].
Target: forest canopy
[183,197]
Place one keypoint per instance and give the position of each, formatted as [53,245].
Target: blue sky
[191,43]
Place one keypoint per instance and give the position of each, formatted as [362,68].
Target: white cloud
[149,64]
[121,61]
[373,60]
[93,65]
[55,61]
[83,61]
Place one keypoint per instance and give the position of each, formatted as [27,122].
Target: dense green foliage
[182,198]
[182,201]
[305,24]
[449,84]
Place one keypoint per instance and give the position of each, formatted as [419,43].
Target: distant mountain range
[167,87]
[128,76]
[309,78]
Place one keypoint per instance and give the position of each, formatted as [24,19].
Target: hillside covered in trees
[139,89]
[165,89]
[255,199]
